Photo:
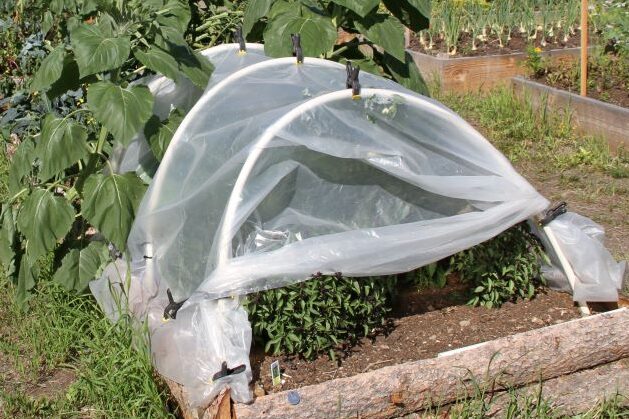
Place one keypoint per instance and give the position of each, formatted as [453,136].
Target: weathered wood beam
[511,361]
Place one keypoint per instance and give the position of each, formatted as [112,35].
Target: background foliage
[368,32]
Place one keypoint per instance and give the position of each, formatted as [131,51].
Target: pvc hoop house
[279,172]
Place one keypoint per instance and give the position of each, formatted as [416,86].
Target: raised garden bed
[587,356]
[462,74]
[591,116]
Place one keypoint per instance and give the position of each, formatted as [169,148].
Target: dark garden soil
[425,323]
[517,43]
[607,82]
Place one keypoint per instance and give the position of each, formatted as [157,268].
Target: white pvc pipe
[202,104]
[224,236]
[567,268]
[208,52]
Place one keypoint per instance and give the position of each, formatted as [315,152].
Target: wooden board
[591,117]
[463,74]
[515,360]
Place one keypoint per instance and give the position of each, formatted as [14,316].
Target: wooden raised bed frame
[591,116]
[464,74]
[580,362]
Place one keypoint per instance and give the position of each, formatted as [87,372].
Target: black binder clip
[240,39]
[352,81]
[225,372]
[553,213]
[170,312]
[297,52]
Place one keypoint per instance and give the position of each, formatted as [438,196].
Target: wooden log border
[512,361]
[464,74]
[591,116]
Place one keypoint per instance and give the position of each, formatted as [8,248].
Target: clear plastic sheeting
[227,59]
[581,240]
[276,173]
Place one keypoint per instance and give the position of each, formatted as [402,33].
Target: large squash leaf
[25,280]
[111,202]
[362,7]
[78,268]
[406,73]
[21,165]
[318,33]
[43,220]
[7,238]
[159,133]
[62,143]
[123,111]
[159,61]
[385,31]
[49,70]
[414,14]
[175,14]
[97,50]
[254,11]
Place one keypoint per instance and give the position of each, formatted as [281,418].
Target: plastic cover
[581,240]
[226,58]
[277,173]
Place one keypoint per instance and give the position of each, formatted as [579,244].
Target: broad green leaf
[78,268]
[254,11]
[46,22]
[61,144]
[7,237]
[96,51]
[110,204]
[69,79]
[123,111]
[385,31]
[318,33]
[175,14]
[362,7]
[158,134]
[159,61]
[49,71]
[25,280]
[43,220]
[280,7]
[406,73]
[414,14]
[196,67]
[21,165]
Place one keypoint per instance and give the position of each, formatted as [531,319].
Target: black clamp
[224,372]
[297,52]
[240,39]
[352,78]
[170,312]
[553,213]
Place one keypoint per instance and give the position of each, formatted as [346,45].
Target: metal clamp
[352,81]
[297,52]
[170,312]
[553,213]
[225,372]
[240,39]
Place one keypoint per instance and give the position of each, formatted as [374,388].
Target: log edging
[512,361]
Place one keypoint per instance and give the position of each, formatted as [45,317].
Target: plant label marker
[276,377]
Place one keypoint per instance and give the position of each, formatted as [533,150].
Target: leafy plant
[429,276]
[369,33]
[534,62]
[60,184]
[502,269]
[325,313]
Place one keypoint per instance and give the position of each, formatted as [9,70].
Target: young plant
[502,269]
[323,314]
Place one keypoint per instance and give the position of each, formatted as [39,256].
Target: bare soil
[426,323]
[517,43]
